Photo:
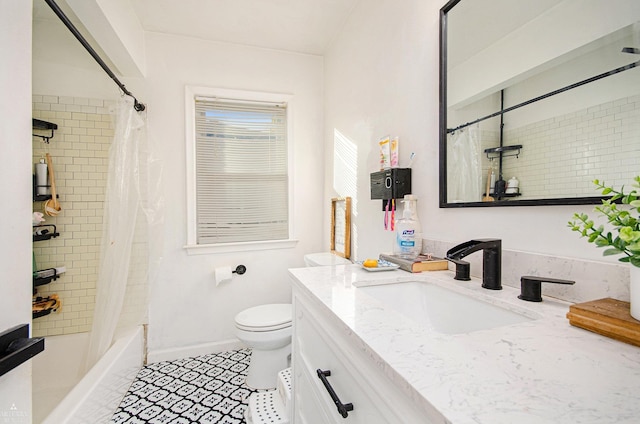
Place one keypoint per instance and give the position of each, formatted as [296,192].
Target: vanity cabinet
[323,342]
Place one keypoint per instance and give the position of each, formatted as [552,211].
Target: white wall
[15,185]
[186,307]
[381,77]
[62,67]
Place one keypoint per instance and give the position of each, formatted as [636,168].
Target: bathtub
[61,394]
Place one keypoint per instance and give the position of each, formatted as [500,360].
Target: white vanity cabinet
[322,342]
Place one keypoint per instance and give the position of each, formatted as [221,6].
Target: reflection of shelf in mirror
[502,151]
[509,195]
[503,195]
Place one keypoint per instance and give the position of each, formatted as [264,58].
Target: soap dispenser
[408,242]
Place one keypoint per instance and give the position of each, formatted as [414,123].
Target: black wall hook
[240,269]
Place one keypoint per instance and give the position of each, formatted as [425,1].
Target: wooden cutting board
[609,317]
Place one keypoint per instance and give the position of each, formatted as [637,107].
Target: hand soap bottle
[408,243]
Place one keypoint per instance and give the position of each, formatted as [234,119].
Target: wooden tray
[609,317]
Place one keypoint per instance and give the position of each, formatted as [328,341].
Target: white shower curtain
[464,179]
[132,206]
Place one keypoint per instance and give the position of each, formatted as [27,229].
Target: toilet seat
[265,317]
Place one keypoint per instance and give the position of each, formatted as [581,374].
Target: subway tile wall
[566,153]
[80,154]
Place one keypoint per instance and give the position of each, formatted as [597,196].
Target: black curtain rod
[56,9]
[549,94]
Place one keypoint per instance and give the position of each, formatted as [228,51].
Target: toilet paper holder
[240,269]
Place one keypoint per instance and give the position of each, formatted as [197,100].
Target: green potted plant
[621,236]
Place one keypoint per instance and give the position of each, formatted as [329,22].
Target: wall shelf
[41,306]
[40,125]
[44,233]
[41,197]
[503,151]
[45,276]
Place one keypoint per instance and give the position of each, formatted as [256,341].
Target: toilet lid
[265,317]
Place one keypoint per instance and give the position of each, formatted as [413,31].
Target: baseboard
[194,350]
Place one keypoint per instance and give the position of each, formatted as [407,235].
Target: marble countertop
[539,371]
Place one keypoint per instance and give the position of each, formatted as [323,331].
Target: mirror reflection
[538,101]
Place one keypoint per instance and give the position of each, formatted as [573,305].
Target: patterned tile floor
[205,390]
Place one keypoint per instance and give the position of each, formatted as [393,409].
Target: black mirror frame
[443,141]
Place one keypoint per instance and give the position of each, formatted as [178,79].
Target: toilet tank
[324,259]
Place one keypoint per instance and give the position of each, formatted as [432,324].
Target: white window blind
[241,171]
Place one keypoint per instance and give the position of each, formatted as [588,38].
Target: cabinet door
[310,409]
[314,349]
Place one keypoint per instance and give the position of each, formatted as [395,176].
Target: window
[240,164]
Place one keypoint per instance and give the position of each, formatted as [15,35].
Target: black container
[500,188]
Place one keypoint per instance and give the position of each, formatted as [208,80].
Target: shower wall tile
[79,150]
[589,139]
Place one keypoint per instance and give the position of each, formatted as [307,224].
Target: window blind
[241,171]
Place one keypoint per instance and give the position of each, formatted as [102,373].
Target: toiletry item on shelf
[501,186]
[412,156]
[408,243]
[42,187]
[385,153]
[512,185]
[394,152]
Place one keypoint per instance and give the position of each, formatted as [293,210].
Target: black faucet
[531,287]
[491,261]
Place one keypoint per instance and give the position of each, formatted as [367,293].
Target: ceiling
[304,26]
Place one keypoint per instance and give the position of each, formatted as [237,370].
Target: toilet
[266,329]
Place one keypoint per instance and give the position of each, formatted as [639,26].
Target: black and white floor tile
[206,389]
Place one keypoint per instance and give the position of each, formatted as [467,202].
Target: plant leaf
[612,251]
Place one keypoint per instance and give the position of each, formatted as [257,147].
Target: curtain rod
[549,94]
[56,9]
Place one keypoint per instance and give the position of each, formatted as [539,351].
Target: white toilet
[266,329]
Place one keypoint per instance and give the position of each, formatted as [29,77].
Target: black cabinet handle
[343,408]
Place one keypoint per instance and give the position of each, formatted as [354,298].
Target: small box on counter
[419,264]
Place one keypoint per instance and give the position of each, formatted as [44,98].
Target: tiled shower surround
[565,153]
[80,155]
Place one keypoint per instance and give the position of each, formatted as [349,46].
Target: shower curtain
[131,215]
[464,179]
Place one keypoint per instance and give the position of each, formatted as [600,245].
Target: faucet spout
[491,261]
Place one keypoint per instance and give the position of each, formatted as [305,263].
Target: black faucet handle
[463,269]
[531,287]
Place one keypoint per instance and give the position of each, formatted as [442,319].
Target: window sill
[205,249]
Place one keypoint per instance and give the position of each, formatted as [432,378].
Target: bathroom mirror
[546,91]
[341,226]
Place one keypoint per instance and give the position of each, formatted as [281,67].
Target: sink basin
[442,310]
